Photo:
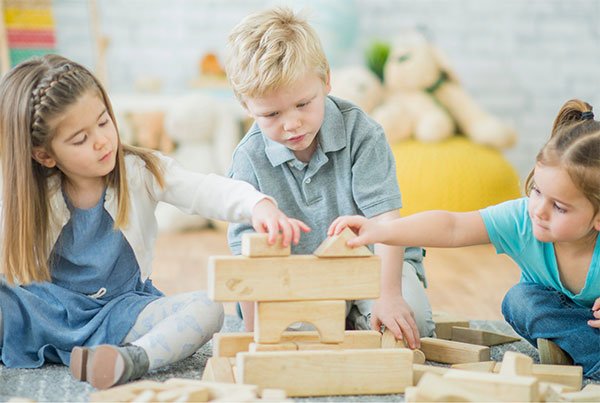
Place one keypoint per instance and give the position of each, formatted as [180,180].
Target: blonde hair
[270,50]
[574,145]
[33,94]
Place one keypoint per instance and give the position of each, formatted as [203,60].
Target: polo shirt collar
[331,137]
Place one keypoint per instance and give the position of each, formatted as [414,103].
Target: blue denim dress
[95,295]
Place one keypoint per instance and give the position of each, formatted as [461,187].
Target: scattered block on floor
[550,392]
[481,337]
[335,246]
[272,318]
[571,375]
[453,352]
[388,340]
[419,370]
[436,388]
[444,322]
[552,354]
[591,393]
[257,245]
[216,390]
[127,392]
[229,344]
[324,373]
[292,278]
[496,386]
[483,366]
[285,346]
[218,369]
[516,364]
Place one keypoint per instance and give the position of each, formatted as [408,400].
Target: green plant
[376,55]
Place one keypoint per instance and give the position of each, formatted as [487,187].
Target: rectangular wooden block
[497,387]
[271,319]
[324,373]
[570,375]
[257,245]
[481,337]
[229,344]
[445,321]
[292,278]
[218,369]
[453,352]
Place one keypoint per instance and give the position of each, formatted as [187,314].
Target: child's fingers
[286,230]
[357,241]
[272,229]
[596,314]
[594,323]
[596,305]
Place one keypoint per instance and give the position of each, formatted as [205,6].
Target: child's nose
[292,124]
[100,142]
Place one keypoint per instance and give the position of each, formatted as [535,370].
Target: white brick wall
[519,59]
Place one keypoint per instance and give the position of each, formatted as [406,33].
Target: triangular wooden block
[335,246]
[481,337]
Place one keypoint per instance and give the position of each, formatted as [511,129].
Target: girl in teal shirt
[552,235]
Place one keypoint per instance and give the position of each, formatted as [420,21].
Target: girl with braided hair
[552,235]
[78,230]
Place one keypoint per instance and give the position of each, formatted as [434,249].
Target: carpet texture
[53,383]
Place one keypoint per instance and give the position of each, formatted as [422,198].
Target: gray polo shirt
[351,172]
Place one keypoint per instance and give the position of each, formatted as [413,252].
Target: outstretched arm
[430,228]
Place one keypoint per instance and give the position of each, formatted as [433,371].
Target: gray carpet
[53,383]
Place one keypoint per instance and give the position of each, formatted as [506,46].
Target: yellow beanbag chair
[455,174]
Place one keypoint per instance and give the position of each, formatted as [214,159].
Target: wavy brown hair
[33,94]
[574,145]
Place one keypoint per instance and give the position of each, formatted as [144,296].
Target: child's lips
[106,156]
[296,139]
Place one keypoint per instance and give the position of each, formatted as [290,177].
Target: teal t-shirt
[509,227]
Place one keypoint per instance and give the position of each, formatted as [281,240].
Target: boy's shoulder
[343,115]
[252,143]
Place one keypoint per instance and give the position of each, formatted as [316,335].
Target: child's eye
[303,104]
[81,140]
[559,209]
[535,190]
[103,123]
[271,115]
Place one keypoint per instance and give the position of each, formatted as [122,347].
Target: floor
[470,281]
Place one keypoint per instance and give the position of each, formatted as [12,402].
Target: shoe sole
[79,361]
[106,367]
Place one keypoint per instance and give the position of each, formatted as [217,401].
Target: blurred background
[161,62]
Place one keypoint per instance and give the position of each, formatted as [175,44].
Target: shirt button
[307,180]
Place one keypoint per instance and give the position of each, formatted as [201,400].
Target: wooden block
[127,392]
[483,366]
[185,394]
[419,370]
[571,375]
[587,394]
[550,392]
[335,246]
[292,278]
[516,364]
[388,340]
[218,369]
[496,386]
[552,354]
[216,390]
[444,322]
[257,245]
[229,344]
[453,352]
[325,373]
[285,346]
[273,395]
[436,388]
[272,318]
[481,337]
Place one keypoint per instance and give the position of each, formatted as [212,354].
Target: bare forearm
[391,268]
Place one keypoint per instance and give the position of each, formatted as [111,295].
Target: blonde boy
[320,157]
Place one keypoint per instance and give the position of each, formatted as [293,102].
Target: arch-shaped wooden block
[271,319]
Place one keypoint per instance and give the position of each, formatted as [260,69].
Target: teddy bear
[205,129]
[358,85]
[423,99]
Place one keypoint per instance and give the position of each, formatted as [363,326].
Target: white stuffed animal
[358,85]
[424,99]
[205,130]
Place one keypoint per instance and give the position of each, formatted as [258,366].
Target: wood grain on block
[516,364]
[445,321]
[335,246]
[325,373]
[257,245]
[420,369]
[292,278]
[495,386]
[218,369]
[453,352]
[388,340]
[481,337]
[271,319]
[229,344]
[571,375]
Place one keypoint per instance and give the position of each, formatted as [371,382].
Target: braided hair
[32,96]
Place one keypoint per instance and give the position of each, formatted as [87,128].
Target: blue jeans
[539,312]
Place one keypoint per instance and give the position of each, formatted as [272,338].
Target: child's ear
[43,157]
[328,82]
[597,222]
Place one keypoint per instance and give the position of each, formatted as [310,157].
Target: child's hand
[266,217]
[596,312]
[365,228]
